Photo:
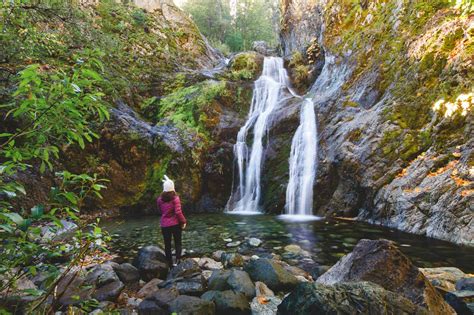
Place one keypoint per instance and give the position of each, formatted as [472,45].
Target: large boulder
[186,268]
[194,284]
[151,263]
[127,273]
[190,305]
[236,280]
[159,302]
[443,277]
[380,262]
[105,281]
[228,302]
[149,288]
[346,298]
[271,273]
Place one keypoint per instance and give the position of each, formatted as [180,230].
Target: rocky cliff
[394,101]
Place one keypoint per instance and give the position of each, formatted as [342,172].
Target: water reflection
[326,241]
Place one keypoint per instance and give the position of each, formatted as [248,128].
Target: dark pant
[175,232]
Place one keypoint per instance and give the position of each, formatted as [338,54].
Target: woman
[172,219]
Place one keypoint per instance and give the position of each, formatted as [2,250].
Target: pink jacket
[171,213]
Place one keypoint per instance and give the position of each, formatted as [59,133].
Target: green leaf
[14,217]
[71,197]
[37,211]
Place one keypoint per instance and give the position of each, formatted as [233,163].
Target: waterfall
[269,91]
[303,164]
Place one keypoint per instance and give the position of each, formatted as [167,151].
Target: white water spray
[269,91]
[303,164]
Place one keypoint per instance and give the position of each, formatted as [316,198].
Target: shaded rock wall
[387,154]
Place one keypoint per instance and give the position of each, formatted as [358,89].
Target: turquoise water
[326,240]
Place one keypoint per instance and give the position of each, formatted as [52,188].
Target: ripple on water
[326,240]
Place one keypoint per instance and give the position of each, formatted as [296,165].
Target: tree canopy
[235,25]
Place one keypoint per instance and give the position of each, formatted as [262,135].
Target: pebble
[233,244]
[254,242]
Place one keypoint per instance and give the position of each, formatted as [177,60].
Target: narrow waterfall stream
[303,165]
[269,90]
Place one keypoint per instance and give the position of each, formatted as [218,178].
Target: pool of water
[326,240]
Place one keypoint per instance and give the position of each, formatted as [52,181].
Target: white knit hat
[168,184]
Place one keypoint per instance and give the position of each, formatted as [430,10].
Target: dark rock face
[271,273]
[372,163]
[465,284]
[382,263]
[228,302]
[190,305]
[346,298]
[151,263]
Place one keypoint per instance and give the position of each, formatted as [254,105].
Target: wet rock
[148,307]
[134,302]
[190,305]
[228,302]
[265,305]
[346,298]
[109,292]
[217,255]
[443,277]
[151,263]
[162,298]
[190,285]
[209,264]
[236,280]
[232,260]
[149,288]
[382,263]
[127,273]
[239,281]
[271,273]
[254,242]
[261,289]
[461,301]
[185,268]
[465,284]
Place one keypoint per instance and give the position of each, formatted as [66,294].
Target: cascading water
[269,91]
[303,165]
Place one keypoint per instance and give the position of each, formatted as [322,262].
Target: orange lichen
[443,169]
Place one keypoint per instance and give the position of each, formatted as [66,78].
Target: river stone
[461,301]
[190,305]
[346,298]
[465,284]
[217,255]
[254,242]
[149,288]
[164,297]
[109,292]
[443,277]
[261,289]
[228,302]
[73,289]
[271,273]
[190,285]
[218,280]
[185,268]
[127,273]
[239,281]
[209,264]
[148,307]
[232,260]
[380,262]
[233,244]
[151,262]
[265,305]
